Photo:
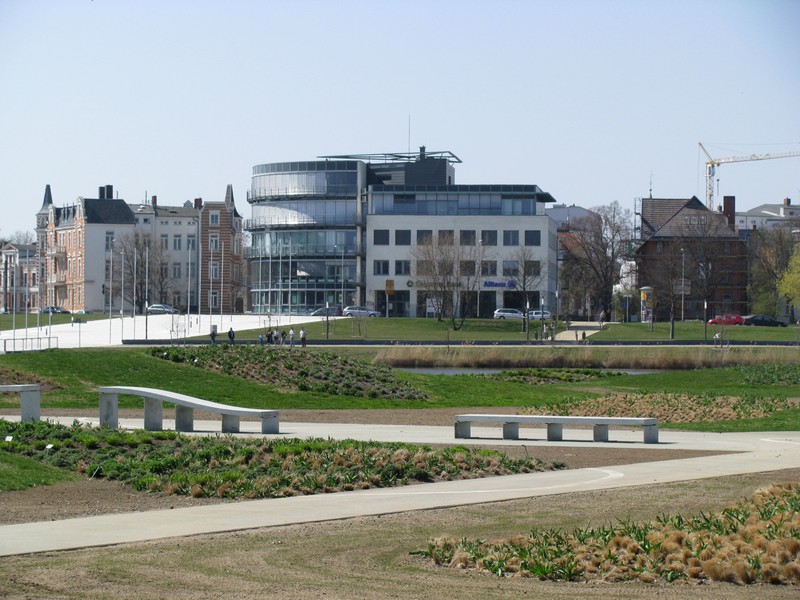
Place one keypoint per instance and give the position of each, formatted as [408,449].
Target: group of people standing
[272,337]
[280,339]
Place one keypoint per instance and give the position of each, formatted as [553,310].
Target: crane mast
[713,163]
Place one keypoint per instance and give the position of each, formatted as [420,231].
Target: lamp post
[341,275]
[122,297]
[110,284]
[683,281]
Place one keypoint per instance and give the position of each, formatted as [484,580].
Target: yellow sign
[389,287]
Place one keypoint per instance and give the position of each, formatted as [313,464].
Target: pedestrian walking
[231,335]
[214,336]
[302,337]
[283,337]
[275,336]
[291,337]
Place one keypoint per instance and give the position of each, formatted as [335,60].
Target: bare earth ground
[365,558]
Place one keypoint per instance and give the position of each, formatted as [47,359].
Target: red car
[729,319]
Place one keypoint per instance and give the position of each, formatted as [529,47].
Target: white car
[539,315]
[359,311]
[508,313]
[161,309]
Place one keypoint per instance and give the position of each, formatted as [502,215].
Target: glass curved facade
[305,231]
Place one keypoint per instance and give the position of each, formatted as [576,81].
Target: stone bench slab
[184,410]
[30,395]
[555,425]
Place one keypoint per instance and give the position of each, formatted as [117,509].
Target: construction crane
[713,163]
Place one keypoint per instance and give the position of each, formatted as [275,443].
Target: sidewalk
[754,452]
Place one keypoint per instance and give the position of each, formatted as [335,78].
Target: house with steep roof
[692,259]
[76,245]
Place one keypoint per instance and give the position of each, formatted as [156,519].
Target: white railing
[29,344]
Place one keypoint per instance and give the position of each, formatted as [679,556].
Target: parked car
[727,319]
[539,315]
[359,311]
[161,309]
[55,310]
[325,311]
[508,313]
[762,321]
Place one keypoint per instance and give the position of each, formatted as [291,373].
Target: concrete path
[755,452]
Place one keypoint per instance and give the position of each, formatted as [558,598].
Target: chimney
[787,201]
[101,192]
[109,192]
[155,201]
[422,152]
[198,203]
[729,209]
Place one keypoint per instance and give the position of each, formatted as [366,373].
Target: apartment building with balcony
[19,278]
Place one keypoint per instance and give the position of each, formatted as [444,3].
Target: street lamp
[683,280]
[110,284]
[122,298]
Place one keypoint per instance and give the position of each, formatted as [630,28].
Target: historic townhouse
[223,275]
[19,278]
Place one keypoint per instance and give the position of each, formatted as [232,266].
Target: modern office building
[342,231]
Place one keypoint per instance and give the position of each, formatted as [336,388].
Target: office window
[488,237]
[191,242]
[445,237]
[380,267]
[467,237]
[510,237]
[176,270]
[213,270]
[402,267]
[109,239]
[402,237]
[467,268]
[533,268]
[213,243]
[533,237]
[380,237]
[424,268]
[489,268]
[510,268]
[165,242]
[214,299]
[177,242]
[213,218]
[424,236]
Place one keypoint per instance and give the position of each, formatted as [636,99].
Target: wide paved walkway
[754,452]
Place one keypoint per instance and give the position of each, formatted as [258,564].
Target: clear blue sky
[591,100]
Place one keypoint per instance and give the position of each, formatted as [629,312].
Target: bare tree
[22,237]
[770,251]
[528,275]
[448,274]
[147,269]
[595,248]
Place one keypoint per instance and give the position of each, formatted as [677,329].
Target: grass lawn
[19,472]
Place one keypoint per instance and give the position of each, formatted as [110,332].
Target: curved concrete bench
[555,425]
[30,395]
[184,410]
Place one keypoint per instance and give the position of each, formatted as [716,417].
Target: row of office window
[177,242]
[510,268]
[466,237]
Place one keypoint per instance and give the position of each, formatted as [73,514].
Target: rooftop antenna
[651,185]
[409,134]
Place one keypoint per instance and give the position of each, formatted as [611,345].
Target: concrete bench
[555,424]
[184,410]
[30,395]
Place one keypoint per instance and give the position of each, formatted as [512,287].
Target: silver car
[359,311]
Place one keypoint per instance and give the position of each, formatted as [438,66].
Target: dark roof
[670,218]
[107,211]
[48,199]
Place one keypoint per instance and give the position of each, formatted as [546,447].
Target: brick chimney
[198,203]
[154,200]
[787,201]
[729,209]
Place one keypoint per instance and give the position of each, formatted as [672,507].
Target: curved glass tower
[306,229]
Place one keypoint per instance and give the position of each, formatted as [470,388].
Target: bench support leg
[153,414]
[109,410]
[510,431]
[601,433]
[555,432]
[230,424]
[31,405]
[650,434]
[270,424]
[463,429]
[184,418]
